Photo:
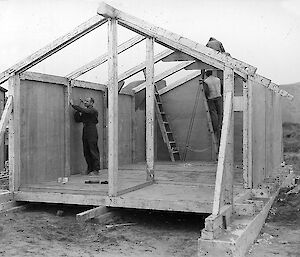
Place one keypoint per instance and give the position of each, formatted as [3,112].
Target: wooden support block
[261,193]
[258,204]
[92,213]
[215,224]
[244,209]
[150,108]
[112,108]
[240,198]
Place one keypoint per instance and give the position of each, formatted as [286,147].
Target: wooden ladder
[210,126]
[165,128]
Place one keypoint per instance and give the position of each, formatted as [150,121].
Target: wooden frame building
[44,144]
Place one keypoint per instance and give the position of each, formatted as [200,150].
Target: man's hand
[71,102]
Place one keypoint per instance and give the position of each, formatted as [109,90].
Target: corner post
[246,133]
[150,108]
[229,163]
[67,97]
[112,108]
[14,135]
[223,194]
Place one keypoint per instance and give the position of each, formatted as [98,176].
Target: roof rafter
[103,58]
[53,47]
[179,82]
[164,74]
[136,69]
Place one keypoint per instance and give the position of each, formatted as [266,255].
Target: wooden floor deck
[187,187]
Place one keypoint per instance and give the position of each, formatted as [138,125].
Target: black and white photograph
[149,128]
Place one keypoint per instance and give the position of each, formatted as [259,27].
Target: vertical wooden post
[229,87]
[250,132]
[133,130]
[112,108]
[150,108]
[67,97]
[14,135]
[245,133]
[104,131]
[224,178]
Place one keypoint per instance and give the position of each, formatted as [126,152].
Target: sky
[263,33]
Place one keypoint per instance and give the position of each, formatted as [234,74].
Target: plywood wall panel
[42,131]
[125,129]
[259,142]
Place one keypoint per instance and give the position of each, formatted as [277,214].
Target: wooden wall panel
[78,163]
[277,142]
[42,131]
[258,134]
[269,131]
[125,129]
[2,151]
[238,137]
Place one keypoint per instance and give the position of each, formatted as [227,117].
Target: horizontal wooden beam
[103,58]
[179,82]
[172,40]
[53,47]
[46,78]
[136,69]
[92,213]
[58,197]
[164,74]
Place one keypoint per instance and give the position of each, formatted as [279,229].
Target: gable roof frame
[175,41]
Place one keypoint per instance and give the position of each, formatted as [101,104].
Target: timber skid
[238,199]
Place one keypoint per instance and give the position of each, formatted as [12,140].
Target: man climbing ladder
[212,90]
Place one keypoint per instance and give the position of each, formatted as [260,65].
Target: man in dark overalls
[88,115]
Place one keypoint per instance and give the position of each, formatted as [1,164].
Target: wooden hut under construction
[158,149]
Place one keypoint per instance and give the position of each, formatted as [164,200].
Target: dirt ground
[40,231]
